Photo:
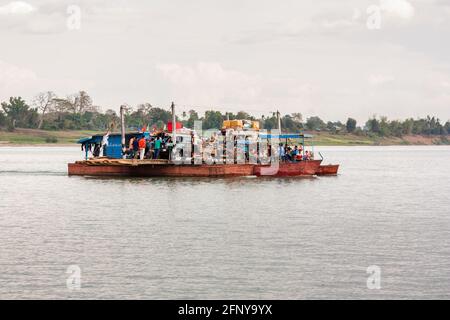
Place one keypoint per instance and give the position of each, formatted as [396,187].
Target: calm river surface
[243,238]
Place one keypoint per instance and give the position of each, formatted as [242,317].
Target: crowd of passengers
[142,148]
[293,153]
[160,147]
[286,152]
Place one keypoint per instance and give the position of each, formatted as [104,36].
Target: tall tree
[351,125]
[315,123]
[84,102]
[289,124]
[408,126]
[297,117]
[385,129]
[396,128]
[213,120]
[43,102]
[19,114]
[242,115]
[230,116]
[144,114]
[2,119]
[79,103]
[193,116]
[158,115]
[447,127]
[373,125]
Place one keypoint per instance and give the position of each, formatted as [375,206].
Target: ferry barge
[114,162]
[152,168]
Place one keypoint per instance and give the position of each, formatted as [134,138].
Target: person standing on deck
[135,147]
[151,148]
[97,150]
[281,152]
[170,147]
[130,147]
[307,156]
[294,153]
[104,144]
[142,144]
[147,149]
[157,148]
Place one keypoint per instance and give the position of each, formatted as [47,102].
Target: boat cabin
[113,149]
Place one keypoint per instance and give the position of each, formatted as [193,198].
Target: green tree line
[77,112]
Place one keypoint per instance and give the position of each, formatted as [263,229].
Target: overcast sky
[317,57]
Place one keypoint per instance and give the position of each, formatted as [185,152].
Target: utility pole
[279,121]
[174,125]
[122,120]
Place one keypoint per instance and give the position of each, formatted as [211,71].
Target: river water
[243,238]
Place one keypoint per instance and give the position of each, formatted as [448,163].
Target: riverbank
[327,139]
[32,137]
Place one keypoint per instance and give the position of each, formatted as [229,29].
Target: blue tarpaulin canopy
[86,140]
[113,148]
[98,137]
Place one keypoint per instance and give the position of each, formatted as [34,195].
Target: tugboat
[239,149]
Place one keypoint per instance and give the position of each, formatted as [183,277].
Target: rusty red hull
[234,170]
[161,170]
[328,170]
[289,169]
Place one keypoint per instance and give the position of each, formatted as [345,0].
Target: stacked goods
[247,124]
[233,124]
[237,124]
[250,125]
[241,124]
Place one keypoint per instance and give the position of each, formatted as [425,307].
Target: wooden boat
[327,170]
[151,168]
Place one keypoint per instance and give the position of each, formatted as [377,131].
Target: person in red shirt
[142,145]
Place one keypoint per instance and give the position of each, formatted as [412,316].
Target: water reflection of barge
[113,163]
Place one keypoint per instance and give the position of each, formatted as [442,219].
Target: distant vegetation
[77,112]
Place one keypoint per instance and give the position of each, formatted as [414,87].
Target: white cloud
[22,17]
[46,24]
[17,80]
[14,80]
[445,84]
[333,24]
[16,8]
[400,8]
[210,83]
[12,74]
[380,79]
[298,56]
